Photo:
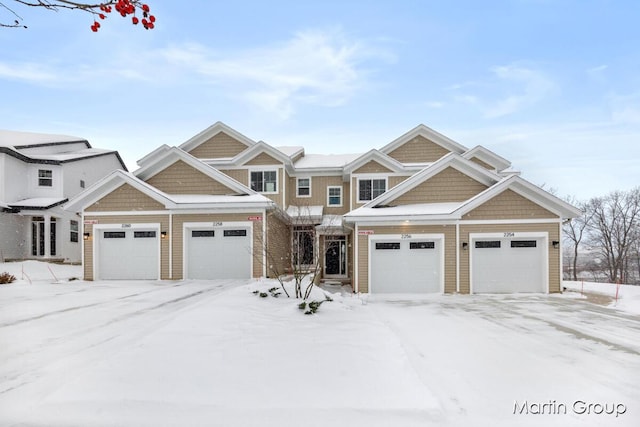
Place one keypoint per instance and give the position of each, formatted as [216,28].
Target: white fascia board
[377,156]
[110,183]
[453,160]
[152,155]
[259,148]
[212,131]
[428,133]
[526,190]
[487,156]
[391,221]
[175,154]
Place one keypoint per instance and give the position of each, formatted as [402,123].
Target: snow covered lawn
[211,353]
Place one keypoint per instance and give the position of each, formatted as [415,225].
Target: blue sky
[553,86]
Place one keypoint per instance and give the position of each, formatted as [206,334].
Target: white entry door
[406,265]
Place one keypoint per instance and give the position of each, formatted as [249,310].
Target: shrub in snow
[6,278]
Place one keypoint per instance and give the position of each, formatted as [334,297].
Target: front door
[335,256]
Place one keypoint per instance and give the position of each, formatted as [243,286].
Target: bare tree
[138,10]
[292,250]
[614,228]
[575,231]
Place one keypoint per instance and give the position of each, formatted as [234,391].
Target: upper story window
[264,181]
[334,196]
[45,178]
[303,187]
[369,189]
[73,231]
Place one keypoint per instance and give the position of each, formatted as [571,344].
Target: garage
[127,253]
[406,264]
[509,263]
[222,251]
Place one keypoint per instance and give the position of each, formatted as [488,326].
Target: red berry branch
[99,11]
[126,8]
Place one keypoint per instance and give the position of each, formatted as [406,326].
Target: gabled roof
[453,160]
[118,178]
[527,190]
[17,139]
[174,154]
[259,148]
[212,131]
[111,182]
[153,155]
[376,156]
[430,134]
[488,156]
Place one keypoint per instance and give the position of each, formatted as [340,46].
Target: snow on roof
[311,161]
[11,138]
[71,155]
[407,210]
[210,198]
[305,212]
[290,150]
[38,202]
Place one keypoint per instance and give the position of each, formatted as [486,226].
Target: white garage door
[218,253]
[508,265]
[127,254]
[406,265]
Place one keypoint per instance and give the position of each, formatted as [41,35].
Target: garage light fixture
[86,236]
[555,244]
[163,234]
[465,245]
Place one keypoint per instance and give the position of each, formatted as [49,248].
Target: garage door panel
[508,265]
[406,266]
[218,254]
[127,254]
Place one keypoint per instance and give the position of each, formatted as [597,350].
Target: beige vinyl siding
[178,249]
[394,180]
[450,185]
[263,159]
[278,246]
[449,232]
[219,146]
[372,167]
[483,164]
[418,150]
[180,178]
[240,175]
[554,254]
[125,198]
[163,220]
[319,191]
[509,205]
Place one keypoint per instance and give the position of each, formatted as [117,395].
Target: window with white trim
[264,181]
[334,196]
[369,189]
[303,187]
[45,178]
[73,231]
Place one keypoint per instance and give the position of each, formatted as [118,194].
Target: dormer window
[264,181]
[304,187]
[45,178]
[369,189]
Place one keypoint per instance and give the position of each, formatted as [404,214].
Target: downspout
[458,256]
[171,246]
[355,261]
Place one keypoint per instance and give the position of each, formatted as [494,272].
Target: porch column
[47,236]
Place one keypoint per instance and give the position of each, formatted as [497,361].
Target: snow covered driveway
[213,354]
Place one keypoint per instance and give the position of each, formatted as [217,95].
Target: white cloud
[314,67]
[27,72]
[531,87]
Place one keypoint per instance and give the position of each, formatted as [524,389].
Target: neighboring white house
[38,173]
